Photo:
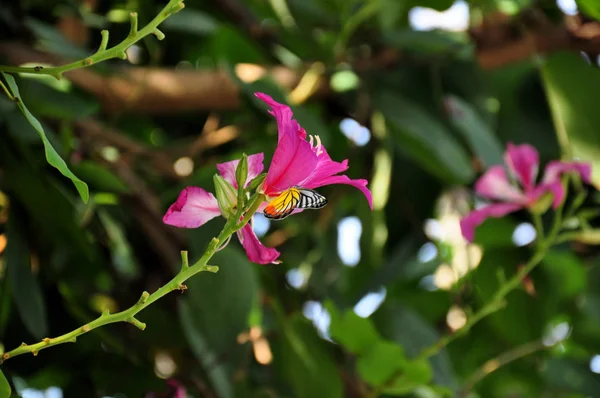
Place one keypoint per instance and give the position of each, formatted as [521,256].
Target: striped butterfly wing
[294,198]
[310,199]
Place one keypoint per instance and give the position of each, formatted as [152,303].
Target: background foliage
[438,104]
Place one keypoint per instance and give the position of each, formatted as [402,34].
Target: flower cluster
[296,162]
[518,190]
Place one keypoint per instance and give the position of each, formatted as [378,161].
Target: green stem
[103,53]
[495,304]
[7,92]
[499,361]
[498,300]
[146,299]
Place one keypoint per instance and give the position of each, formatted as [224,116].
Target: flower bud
[256,183]
[226,196]
[241,172]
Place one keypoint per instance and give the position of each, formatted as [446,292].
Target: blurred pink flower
[301,163]
[195,206]
[522,162]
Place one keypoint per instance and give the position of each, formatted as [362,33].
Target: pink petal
[325,168]
[477,217]
[255,167]
[494,184]
[556,168]
[283,114]
[193,207]
[360,184]
[257,253]
[293,161]
[524,162]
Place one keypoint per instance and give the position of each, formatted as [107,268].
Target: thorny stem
[104,53]
[146,299]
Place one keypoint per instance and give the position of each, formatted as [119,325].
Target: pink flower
[522,162]
[302,163]
[195,206]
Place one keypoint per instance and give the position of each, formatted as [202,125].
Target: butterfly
[293,198]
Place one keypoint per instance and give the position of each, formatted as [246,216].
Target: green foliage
[52,156]
[439,106]
[356,334]
[572,88]
[406,121]
[4,386]
[24,286]
[305,361]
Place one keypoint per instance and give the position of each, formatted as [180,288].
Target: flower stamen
[318,146]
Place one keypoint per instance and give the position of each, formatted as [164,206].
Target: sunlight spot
[569,7]
[455,18]
[369,303]
[184,166]
[344,80]
[456,318]
[595,364]
[433,229]
[260,224]
[556,334]
[31,393]
[54,392]
[164,365]
[319,316]
[249,73]
[50,392]
[358,134]
[428,283]
[110,154]
[296,278]
[427,252]
[349,232]
[134,54]
[444,277]
[524,234]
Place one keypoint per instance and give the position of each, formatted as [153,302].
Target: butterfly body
[291,199]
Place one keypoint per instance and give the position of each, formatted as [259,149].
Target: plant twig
[104,53]
[499,361]
[498,300]
[146,299]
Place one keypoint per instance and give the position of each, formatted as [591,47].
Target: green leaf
[356,334]
[191,21]
[573,90]
[100,178]
[386,362]
[590,7]
[305,361]
[424,139]
[52,156]
[569,375]
[45,101]
[475,130]
[215,310]
[4,386]
[24,285]
[566,272]
[407,327]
